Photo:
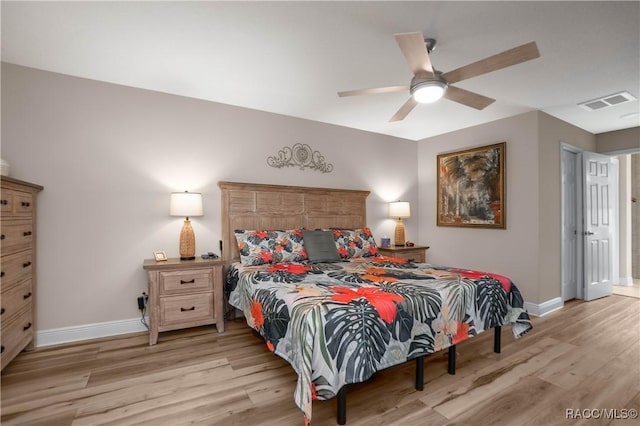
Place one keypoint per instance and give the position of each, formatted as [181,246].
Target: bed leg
[496,339]
[452,360]
[420,373]
[342,405]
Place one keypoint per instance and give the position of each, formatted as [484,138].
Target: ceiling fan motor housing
[426,90]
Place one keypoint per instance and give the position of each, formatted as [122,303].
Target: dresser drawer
[16,235]
[16,203]
[186,310]
[15,267]
[181,282]
[16,299]
[16,334]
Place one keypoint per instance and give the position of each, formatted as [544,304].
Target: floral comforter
[339,323]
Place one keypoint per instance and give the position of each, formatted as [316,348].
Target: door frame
[579,220]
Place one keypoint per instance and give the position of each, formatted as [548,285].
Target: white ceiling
[292,57]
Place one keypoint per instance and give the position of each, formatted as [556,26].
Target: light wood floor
[585,356]
[628,290]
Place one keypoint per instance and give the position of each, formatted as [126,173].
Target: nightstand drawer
[180,282]
[187,309]
[416,256]
[414,253]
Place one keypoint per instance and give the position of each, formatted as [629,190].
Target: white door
[570,228]
[599,220]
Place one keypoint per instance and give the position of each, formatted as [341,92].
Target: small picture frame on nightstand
[160,256]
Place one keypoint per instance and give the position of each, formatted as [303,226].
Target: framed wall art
[471,187]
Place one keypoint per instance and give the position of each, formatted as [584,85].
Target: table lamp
[399,209]
[186,204]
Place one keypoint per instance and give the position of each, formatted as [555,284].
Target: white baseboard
[57,336]
[544,308]
[625,281]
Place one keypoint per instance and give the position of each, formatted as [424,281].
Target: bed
[339,322]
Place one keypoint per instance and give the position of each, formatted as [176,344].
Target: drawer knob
[26,327]
[1,349]
[4,202]
[25,204]
[2,237]
[193,308]
[191,281]
[1,274]
[26,296]
[26,264]
[26,233]
[1,311]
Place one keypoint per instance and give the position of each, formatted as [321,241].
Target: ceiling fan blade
[415,52]
[404,110]
[514,56]
[374,91]
[468,98]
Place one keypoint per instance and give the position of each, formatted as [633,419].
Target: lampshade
[428,91]
[400,209]
[186,204]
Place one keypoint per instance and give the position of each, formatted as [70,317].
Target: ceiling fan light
[428,91]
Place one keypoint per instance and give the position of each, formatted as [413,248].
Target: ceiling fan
[429,84]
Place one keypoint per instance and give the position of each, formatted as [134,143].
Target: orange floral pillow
[261,247]
[355,243]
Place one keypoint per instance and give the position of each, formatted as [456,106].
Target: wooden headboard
[257,206]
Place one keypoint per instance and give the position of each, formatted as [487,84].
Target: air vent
[607,101]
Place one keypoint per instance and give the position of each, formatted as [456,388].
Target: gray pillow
[320,246]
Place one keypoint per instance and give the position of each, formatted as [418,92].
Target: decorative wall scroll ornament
[300,155]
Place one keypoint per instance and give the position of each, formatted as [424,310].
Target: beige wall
[618,142]
[108,157]
[512,252]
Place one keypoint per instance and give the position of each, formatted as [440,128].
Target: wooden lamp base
[187,241]
[398,238]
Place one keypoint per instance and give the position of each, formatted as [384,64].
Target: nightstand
[184,293]
[415,253]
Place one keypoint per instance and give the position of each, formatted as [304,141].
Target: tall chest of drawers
[18,270]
